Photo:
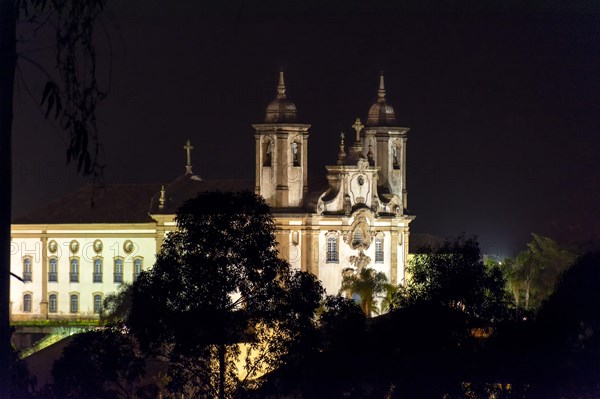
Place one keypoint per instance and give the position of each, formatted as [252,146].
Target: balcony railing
[74,277]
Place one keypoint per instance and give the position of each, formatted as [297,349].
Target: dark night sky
[503,102]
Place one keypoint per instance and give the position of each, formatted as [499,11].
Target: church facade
[67,256]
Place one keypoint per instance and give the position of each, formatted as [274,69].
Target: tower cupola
[281,110]
[381,113]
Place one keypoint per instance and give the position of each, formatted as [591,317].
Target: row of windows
[333,254]
[53,303]
[74,270]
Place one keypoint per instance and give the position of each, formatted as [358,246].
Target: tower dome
[381,113]
[281,110]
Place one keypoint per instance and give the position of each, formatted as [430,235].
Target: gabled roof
[125,203]
[118,203]
[188,186]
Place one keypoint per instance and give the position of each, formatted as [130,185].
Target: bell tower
[281,153]
[385,143]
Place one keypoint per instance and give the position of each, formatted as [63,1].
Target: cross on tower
[358,126]
[188,149]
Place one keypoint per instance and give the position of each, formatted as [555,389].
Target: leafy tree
[71,98]
[116,306]
[533,273]
[453,274]
[218,282]
[567,339]
[367,284]
[97,365]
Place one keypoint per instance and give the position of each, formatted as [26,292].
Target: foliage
[568,332]
[218,282]
[533,273]
[72,97]
[116,306]
[367,284]
[23,383]
[98,364]
[453,274]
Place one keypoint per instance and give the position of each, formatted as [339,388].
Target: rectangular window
[74,308]
[74,274]
[27,303]
[52,270]
[118,273]
[52,303]
[137,268]
[97,303]
[332,250]
[97,270]
[27,269]
[379,250]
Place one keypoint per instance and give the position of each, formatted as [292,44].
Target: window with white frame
[118,270]
[137,268]
[74,303]
[74,272]
[379,250]
[53,303]
[97,278]
[332,250]
[27,303]
[53,270]
[27,274]
[97,303]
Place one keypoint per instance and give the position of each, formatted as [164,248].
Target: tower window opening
[268,153]
[396,164]
[295,154]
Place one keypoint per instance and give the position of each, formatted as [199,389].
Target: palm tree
[367,284]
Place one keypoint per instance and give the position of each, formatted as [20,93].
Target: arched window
[332,250]
[296,154]
[267,153]
[118,271]
[74,308]
[27,303]
[27,275]
[137,268]
[98,270]
[97,303]
[74,273]
[52,303]
[395,156]
[379,250]
[53,270]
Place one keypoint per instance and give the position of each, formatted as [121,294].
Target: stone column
[258,165]
[404,194]
[44,301]
[394,258]
[283,170]
[304,167]
[310,251]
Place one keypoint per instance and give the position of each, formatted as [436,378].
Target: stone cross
[358,126]
[188,149]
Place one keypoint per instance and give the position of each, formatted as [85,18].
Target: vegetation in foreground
[221,316]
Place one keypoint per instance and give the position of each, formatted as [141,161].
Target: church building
[67,256]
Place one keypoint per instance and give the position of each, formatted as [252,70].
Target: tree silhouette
[99,364]
[218,282]
[71,99]
[453,274]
